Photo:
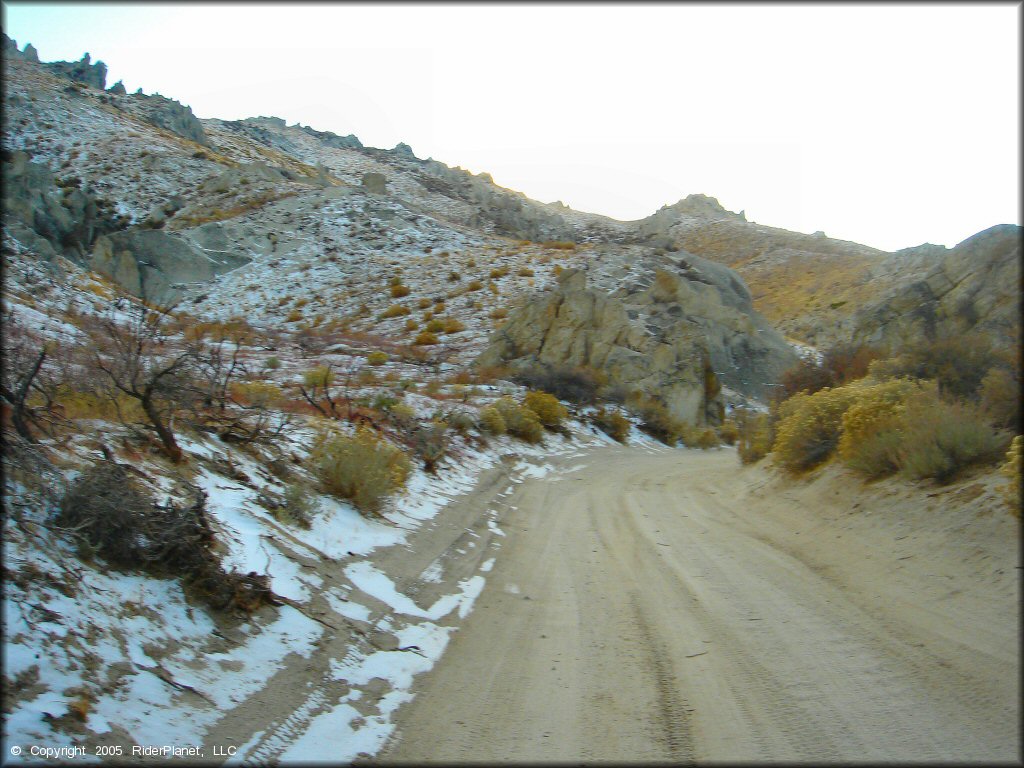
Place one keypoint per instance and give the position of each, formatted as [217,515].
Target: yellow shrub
[550,412]
[377,358]
[424,303]
[474,285]
[754,439]
[395,310]
[729,432]
[525,272]
[809,427]
[424,338]
[363,468]
[520,421]
[1012,470]
[871,427]
[259,393]
[411,325]
[436,325]
[498,272]
[492,421]
[398,291]
[294,316]
[321,377]
[613,424]
[452,325]
[93,405]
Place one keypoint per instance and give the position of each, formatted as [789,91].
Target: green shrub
[377,358]
[550,412]
[492,421]
[520,421]
[272,363]
[363,467]
[958,363]
[942,439]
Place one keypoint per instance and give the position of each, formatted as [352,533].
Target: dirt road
[672,606]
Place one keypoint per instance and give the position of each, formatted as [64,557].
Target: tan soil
[673,606]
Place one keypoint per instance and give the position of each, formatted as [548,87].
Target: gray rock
[156,265]
[577,326]
[375,183]
[117,89]
[973,287]
[66,218]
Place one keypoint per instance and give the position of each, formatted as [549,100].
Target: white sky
[887,125]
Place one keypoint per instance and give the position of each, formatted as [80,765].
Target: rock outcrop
[157,265]
[976,286]
[50,217]
[83,71]
[173,116]
[577,326]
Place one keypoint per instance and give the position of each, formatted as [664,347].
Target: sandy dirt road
[671,606]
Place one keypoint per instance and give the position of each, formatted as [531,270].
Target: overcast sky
[886,125]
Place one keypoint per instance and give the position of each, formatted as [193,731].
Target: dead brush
[111,516]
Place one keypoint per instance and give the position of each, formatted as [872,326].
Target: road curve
[660,607]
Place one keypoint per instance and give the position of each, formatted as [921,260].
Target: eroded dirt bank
[670,605]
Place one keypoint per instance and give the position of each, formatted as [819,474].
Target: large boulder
[578,326]
[156,265]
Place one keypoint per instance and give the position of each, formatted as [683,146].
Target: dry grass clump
[377,358]
[425,338]
[560,245]
[525,272]
[453,325]
[363,468]
[395,310]
[434,324]
[399,291]
[498,272]
[665,287]
[474,285]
